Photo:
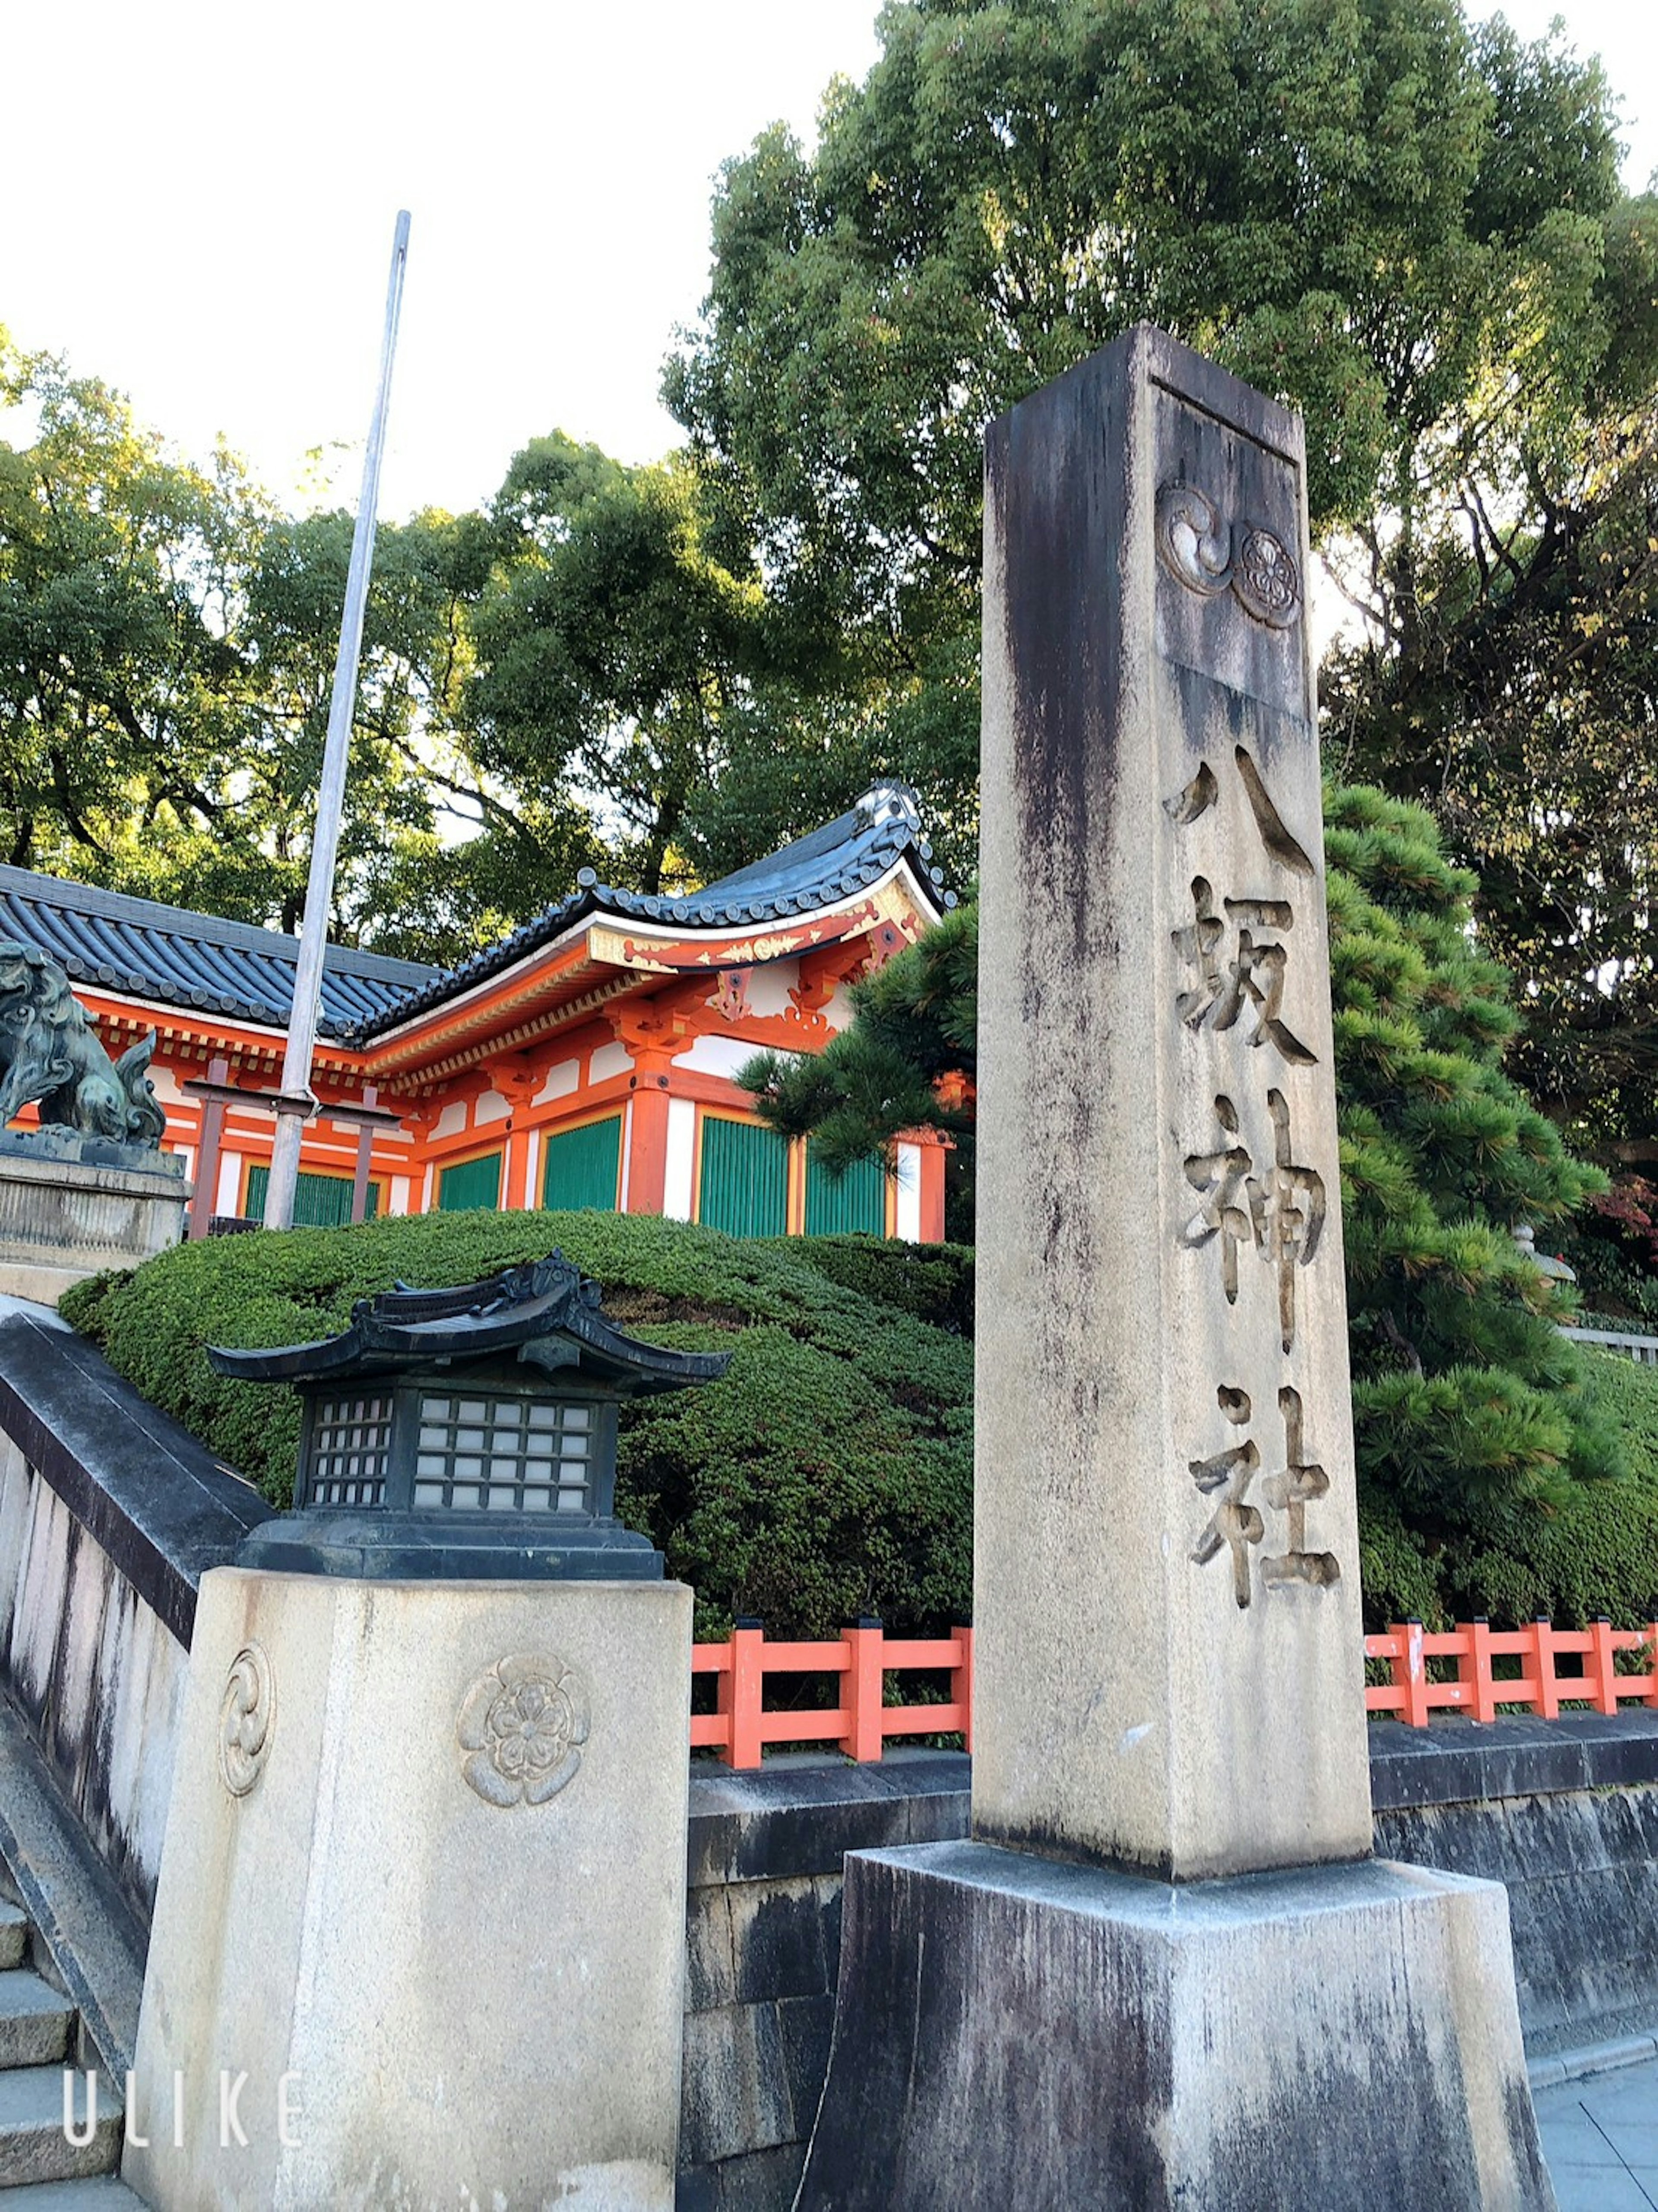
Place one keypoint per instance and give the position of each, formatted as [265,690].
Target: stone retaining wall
[109,1516]
[1564,1812]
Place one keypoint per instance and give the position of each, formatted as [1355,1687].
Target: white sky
[200,200]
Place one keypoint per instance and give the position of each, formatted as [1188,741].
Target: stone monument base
[1013,2031]
[70,1206]
[423,1886]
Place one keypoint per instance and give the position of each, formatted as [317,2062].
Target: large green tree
[167,640]
[1411,227]
[618,655]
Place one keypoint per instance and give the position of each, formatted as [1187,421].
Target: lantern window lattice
[507,1454]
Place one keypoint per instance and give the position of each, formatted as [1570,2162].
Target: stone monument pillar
[1165,1970]
[1168,1646]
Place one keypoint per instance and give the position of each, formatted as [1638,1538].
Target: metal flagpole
[324,843]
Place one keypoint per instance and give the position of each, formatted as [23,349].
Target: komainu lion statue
[48,1053]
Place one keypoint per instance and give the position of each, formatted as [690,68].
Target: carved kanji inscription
[1278,1206]
[1239,962]
[1236,1525]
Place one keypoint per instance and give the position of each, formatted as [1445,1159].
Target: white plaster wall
[680,1180]
[837,1008]
[229,1199]
[532,1178]
[453,1120]
[97,1676]
[627,1153]
[717,1055]
[562,1080]
[610,1060]
[769,987]
[492,1107]
[397,1198]
[907,1224]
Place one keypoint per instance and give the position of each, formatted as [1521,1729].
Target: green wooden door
[471,1185]
[745,1178]
[837,1204]
[578,1166]
[320,1201]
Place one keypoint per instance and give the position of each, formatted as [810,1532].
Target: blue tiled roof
[184,959]
[857,849]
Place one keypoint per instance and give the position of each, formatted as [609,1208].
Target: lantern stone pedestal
[423,1887]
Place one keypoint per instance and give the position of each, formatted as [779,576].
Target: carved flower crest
[521,1727]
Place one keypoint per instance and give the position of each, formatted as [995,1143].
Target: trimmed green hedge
[830,1474]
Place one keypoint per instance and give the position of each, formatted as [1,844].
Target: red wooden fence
[861,1722]
[1540,1686]
[741,1726]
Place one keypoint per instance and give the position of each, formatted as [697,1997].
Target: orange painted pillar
[742,1695]
[647,1139]
[933,1194]
[517,1170]
[861,1691]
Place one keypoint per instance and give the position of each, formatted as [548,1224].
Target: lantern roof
[546,1313]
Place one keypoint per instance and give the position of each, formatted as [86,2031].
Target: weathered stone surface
[33,2146]
[1581,1871]
[801,1816]
[736,2085]
[96,1677]
[1458,1762]
[763,1935]
[1012,2030]
[152,1497]
[79,1920]
[1166,1651]
[425,1852]
[63,1218]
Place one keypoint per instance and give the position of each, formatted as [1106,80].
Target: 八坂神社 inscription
[1236,962]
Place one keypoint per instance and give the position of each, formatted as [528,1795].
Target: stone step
[14,1935]
[34,2019]
[103,2192]
[32,2145]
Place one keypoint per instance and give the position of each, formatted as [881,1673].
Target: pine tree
[1466,1396]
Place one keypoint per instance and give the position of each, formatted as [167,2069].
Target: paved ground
[1600,2139]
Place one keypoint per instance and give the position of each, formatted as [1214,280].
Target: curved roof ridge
[179,958]
[880,830]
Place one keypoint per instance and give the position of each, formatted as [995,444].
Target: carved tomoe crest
[1209,557]
[247,1713]
[520,1729]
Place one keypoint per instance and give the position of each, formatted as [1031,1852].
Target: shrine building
[587,1059]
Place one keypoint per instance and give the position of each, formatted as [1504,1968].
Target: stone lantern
[465,1433]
